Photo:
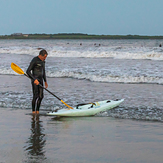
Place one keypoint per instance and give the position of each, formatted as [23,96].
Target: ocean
[82,71]
[134,67]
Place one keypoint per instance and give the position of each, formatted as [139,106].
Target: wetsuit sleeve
[30,68]
[44,74]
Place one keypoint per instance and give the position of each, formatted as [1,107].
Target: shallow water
[142,101]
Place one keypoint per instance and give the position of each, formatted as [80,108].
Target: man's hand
[36,82]
[46,85]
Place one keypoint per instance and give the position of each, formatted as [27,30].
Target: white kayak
[87,109]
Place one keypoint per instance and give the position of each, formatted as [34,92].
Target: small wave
[19,50]
[22,100]
[14,100]
[8,71]
[89,52]
[94,77]
[140,113]
[106,78]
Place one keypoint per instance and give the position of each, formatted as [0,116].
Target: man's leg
[35,96]
[41,96]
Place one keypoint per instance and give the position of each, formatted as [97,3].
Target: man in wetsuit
[36,71]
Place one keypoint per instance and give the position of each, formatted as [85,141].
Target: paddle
[18,70]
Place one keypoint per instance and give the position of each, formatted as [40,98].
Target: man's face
[44,57]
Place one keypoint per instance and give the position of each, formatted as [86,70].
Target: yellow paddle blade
[66,104]
[16,68]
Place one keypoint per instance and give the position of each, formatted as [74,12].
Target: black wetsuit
[36,70]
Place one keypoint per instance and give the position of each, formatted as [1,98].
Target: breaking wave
[110,78]
[105,49]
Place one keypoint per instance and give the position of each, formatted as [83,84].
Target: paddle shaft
[50,92]
[44,88]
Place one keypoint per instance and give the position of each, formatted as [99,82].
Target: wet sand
[28,138]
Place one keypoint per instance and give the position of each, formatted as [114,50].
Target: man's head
[43,54]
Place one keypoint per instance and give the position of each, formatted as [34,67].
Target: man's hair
[43,52]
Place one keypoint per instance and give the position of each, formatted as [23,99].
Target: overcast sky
[108,17]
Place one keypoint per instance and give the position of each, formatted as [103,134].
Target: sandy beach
[25,138]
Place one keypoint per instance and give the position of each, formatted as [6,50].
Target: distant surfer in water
[36,71]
